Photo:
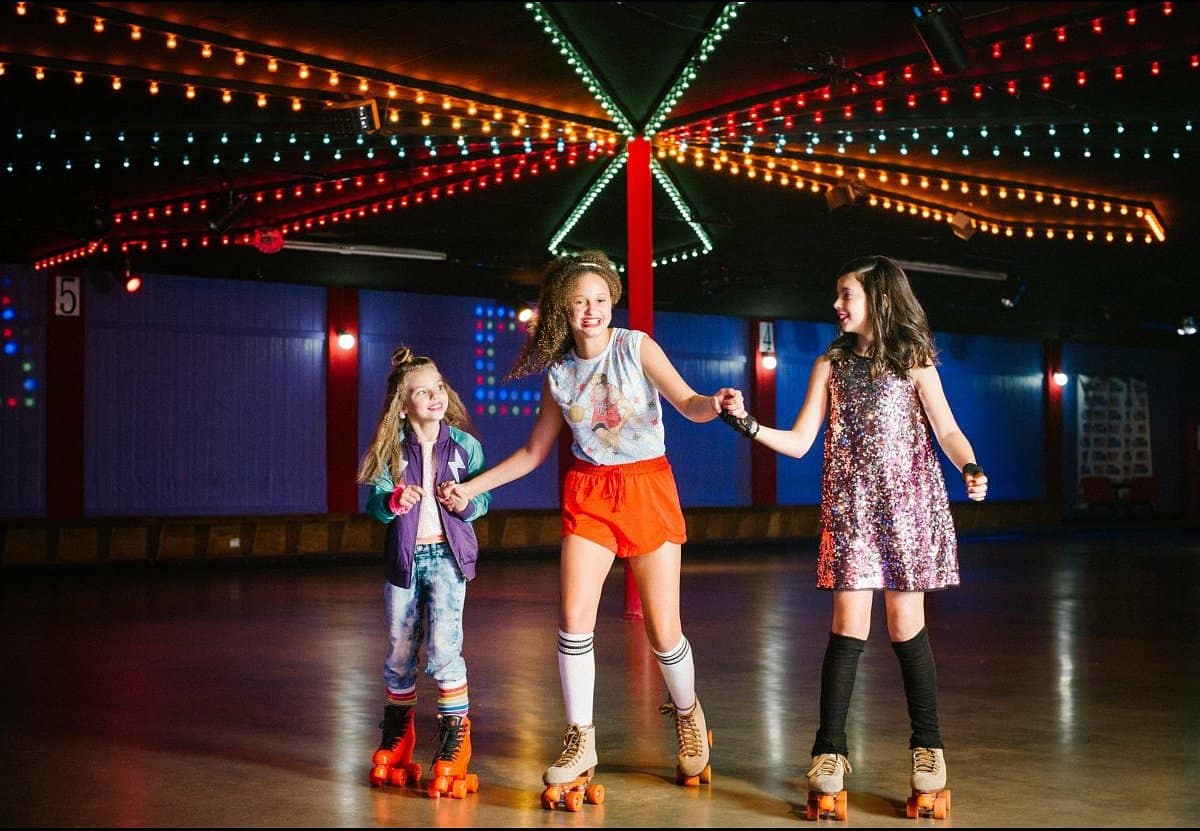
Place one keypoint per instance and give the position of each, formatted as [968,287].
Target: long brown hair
[901,339]
[550,335]
[384,454]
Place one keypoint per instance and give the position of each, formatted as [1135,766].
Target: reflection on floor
[1068,662]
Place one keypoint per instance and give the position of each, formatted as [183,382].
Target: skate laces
[827,764]
[691,743]
[572,747]
[394,726]
[449,739]
[924,760]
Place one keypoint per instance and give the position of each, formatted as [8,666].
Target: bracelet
[746,425]
[971,469]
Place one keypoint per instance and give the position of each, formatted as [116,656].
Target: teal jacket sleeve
[378,498]
[479,503]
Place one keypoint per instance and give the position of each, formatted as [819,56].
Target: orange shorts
[629,509]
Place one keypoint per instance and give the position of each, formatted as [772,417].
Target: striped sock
[679,671]
[403,698]
[453,700]
[577,672]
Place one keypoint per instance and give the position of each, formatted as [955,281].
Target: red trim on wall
[1053,420]
[761,404]
[64,407]
[341,401]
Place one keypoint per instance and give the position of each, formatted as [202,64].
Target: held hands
[975,480]
[452,497]
[403,499]
[728,400]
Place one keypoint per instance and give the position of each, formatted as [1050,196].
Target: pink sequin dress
[885,517]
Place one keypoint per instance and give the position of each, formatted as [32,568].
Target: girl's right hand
[404,498]
[451,493]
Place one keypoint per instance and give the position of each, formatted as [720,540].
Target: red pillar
[341,401]
[761,404]
[64,397]
[640,278]
[1053,420]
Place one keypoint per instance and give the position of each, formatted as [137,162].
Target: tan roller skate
[930,797]
[392,763]
[826,786]
[695,742]
[449,774]
[569,780]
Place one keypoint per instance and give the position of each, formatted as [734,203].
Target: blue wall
[208,397]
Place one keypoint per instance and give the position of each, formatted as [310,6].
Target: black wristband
[971,469]
[746,425]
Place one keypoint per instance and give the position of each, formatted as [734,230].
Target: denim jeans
[435,600]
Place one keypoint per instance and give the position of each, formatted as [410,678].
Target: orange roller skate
[392,763]
[695,741]
[569,780]
[826,794]
[449,775]
[930,797]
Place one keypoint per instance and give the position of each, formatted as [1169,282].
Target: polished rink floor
[1069,671]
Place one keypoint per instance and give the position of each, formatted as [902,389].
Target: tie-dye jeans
[435,600]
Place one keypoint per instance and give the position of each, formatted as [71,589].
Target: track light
[1187,326]
[346,339]
[132,281]
[1011,299]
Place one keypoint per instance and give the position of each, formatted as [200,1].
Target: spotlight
[962,225]
[526,312]
[1187,326]
[345,340]
[939,28]
[237,204]
[132,281]
[1011,299]
[840,196]
[1060,378]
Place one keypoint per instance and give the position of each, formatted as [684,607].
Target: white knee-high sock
[577,672]
[679,671]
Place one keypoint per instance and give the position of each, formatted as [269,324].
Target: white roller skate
[695,740]
[928,781]
[826,786]
[569,780]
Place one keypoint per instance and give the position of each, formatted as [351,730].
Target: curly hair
[550,336]
[384,454]
[901,339]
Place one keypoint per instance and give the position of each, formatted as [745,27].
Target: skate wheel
[941,805]
[472,783]
[910,808]
[573,800]
[399,777]
[458,789]
[414,773]
[841,806]
[594,794]
[811,811]
[550,797]
[379,775]
[706,775]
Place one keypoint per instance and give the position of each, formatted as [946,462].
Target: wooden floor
[1068,662]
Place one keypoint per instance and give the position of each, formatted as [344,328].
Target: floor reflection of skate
[934,804]
[821,805]
[704,776]
[572,795]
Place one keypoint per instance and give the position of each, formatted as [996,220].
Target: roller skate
[826,790]
[449,774]
[392,763]
[695,741]
[569,780]
[930,798]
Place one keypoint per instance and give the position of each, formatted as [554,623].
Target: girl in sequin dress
[885,517]
[619,498]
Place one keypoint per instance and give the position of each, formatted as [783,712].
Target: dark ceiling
[811,133]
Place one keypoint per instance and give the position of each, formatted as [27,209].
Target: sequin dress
[885,517]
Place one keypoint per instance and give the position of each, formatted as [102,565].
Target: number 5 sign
[67,296]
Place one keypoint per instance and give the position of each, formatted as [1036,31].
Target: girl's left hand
[729,400]
[450,498]
[976,481]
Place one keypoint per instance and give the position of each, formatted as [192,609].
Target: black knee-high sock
[837,685]
[920,688]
